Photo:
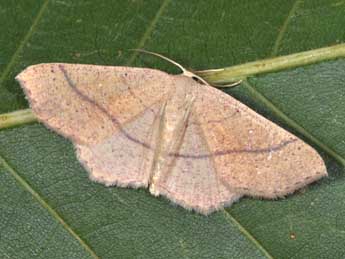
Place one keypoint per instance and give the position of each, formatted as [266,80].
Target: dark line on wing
[113,119]
[239,151]
[214,121]
[201,156]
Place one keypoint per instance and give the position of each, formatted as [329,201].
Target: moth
[181,138]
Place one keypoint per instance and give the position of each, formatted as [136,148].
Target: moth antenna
[184,71]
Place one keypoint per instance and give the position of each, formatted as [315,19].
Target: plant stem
[222,76]
[239,72]
[16,118]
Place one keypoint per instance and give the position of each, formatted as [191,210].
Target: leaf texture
[50,209]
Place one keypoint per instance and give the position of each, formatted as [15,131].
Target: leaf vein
[149,30]
[293,124]
[246,233]
[45,205]
[24,41]
[283,29]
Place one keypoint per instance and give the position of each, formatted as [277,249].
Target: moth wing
[88,103]
[252,155]
[190,178]
[125,158]
[107,112]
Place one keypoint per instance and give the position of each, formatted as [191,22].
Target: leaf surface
[50,209]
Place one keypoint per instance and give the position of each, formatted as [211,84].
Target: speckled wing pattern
[138,127]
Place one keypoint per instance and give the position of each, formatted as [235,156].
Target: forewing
[251,154]
[89,103]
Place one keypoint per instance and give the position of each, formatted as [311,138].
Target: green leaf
[50,209]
